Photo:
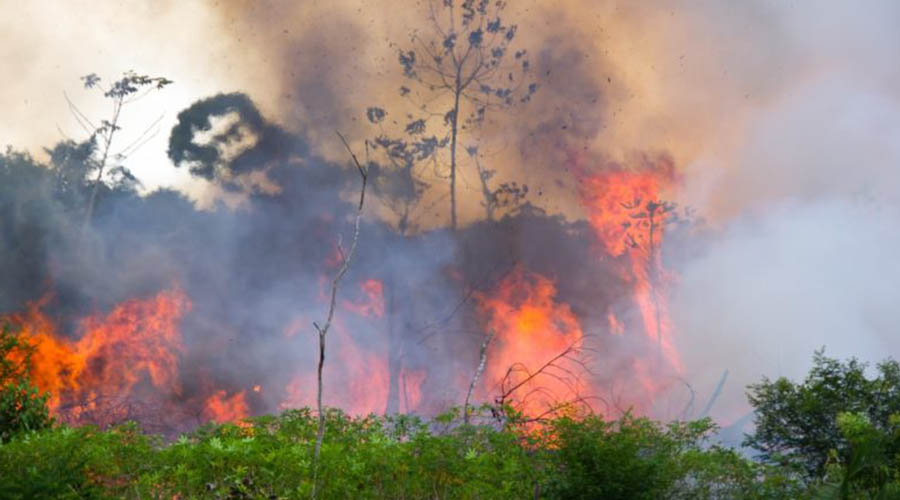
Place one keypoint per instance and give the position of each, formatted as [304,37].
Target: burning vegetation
[400,279]
[547,353]
[516,307]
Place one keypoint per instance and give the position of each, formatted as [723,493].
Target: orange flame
[138,341]
[536,338]
[358,376]
[222,408]
[625,210]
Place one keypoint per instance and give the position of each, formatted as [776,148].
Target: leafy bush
[366,457]
[797,425]
[629,458]
[502,456]
[639,458]
[385,457]
[65,462]
[22,406]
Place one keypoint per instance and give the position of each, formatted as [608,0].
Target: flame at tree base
[534,362]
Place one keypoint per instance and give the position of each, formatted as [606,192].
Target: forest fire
[625,209]
[534,362]
[137,343]
[220,407]
[450,249]
[360,365]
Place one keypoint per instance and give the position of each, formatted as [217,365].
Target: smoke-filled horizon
[780,121]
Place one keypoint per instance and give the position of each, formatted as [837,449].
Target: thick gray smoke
[806,202]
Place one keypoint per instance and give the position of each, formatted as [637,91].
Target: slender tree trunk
[392,405]
[320,431]
[89,213]
[654,282]
[323,330]
[482,357]
[453,133]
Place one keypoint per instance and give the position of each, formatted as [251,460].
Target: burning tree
[645,236]
[461,69]
[629,218]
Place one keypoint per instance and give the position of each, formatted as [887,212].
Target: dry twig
[347,258]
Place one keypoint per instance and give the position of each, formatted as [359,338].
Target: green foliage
[630,458]
[22,407]
[380,457]
[869,471]
[404,456]
[76,463]
[368,457]
[639,458]
[797,424]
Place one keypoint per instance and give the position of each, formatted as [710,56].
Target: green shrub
[22,407]
[629,458]
[797,423]
[387,457]
[84,462]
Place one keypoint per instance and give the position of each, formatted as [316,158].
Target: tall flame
[626,212]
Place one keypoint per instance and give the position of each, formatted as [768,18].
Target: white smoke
[806,255]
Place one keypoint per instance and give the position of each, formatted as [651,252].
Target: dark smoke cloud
[269,142]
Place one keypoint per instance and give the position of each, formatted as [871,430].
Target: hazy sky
[48,45]
[696,79]
[676,77]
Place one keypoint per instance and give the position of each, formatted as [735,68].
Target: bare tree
[346,260]
[462,69]
[121,92]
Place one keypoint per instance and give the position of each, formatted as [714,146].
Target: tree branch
[323,330]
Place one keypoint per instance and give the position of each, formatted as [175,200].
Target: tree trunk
[453,131]
[102,166]
[395,364]
[323,330]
